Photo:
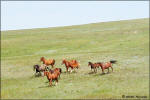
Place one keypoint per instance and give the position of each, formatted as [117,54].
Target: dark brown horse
[52,76]
[93,66]
[107,65]
[39,69]
[72,64]
[48,62]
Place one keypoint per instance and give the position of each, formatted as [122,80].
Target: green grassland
[125,41]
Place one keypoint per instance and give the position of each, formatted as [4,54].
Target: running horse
[59,70]
[39,69]
[52,75]
[48,62]
[107,65]
[72,64]
[94,66]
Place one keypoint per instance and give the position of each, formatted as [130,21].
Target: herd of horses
[54,73]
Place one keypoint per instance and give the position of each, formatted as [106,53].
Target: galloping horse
[93,66]
[39,69]
[59,70]
[52,76]
[107,65]
[73,64]
[48,62]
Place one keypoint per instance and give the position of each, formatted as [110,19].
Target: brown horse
[94,66]
[107,65]
[52,76]
[59,70]
[48,62]
[72,64]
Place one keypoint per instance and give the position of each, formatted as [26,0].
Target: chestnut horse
[59,70]
[52,76]
[72,64]
[48,62]
[107,65]
[94,66]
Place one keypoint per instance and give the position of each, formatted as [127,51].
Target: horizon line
[71,25]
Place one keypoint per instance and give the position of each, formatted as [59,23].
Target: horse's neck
[44,60]
[92,65]
[102,65]
[66,63]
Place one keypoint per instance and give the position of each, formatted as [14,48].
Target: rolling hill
[125,41]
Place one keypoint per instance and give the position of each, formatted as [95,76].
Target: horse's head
[89,63]
[100,63]
[35,67]
[63,61]
[42,58]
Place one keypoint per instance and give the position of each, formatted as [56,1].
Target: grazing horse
[72,64]
[93,66]
[48,62]
[39,69]
[52,76]
[107,65]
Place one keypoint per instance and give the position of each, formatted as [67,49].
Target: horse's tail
[113,61]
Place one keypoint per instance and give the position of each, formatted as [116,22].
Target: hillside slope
[125,41]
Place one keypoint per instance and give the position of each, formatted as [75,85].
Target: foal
[39,69]
[93,66]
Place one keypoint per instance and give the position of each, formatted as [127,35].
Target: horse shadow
[47,86]
[65,72]
[91,73]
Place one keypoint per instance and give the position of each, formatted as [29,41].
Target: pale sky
[42,14]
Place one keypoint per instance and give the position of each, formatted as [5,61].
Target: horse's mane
[90,62]
[42,58]
[51,71]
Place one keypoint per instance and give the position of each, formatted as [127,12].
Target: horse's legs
[103,71]
[50,82]
[71,70]
[74,70]
[96,69]
[66,69]
[112,68]
[108,70]
[56,81]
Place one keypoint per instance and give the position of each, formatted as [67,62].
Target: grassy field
[125,41]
